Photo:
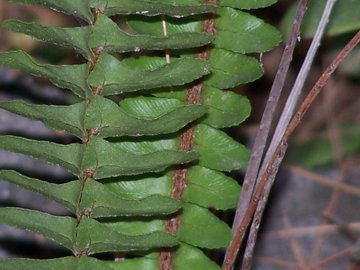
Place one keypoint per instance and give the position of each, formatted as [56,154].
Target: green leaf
[144,263]
[90,234]
[205,187]
[185,257]
[65,194]
[218,151]
[105,203]
[178,92]
[250,34]
[135,225]
[68,156]
[107,159]
[246,4]
[76,37]
[95,197]
[65,263]
[106,75]
[145,62]
[78,8]
[344,18]
[110,120]
[200,228]
[231,69]
[188,257]
[241,32]
[149,107]
[149,8]
[72,77]
[145,145]
[102,238]
[107,34]
[82,263]
[153,25]
[210,189]
[136,187]
[66,118]
[225,108]
[59,229]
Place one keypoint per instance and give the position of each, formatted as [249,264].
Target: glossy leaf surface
[247,4]
[150,8]
[188,257]
[231,69]
[225,108]
[108,35]
[102,158]
[105,75]
[98,200]
[211,189]
[241,32]
[101,238]
[110,120]
[218,151]
[199,227]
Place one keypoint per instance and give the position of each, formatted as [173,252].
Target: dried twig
[311,230]
[272,165]
[281,127]
[262,134]
[300,79]
[296,249]
[265,124]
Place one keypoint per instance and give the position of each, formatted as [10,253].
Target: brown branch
[296,249]
[322,180]
[280,151]
[343,253]
[286,115]
[265,124]
[310,230]
[264,129]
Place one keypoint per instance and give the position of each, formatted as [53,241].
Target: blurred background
[313,218]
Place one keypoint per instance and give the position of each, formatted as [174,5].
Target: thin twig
[281,127]
[262,134]
[309,231]
[280,151]
[267,118]
[279,263]
[300,80]
[341,254]
[322,180]
[296,249]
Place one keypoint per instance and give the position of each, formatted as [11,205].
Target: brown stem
[186,143]
[88,174]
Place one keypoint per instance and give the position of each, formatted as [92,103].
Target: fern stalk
[193,96]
